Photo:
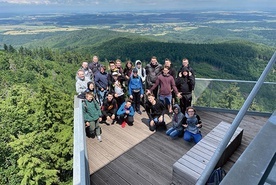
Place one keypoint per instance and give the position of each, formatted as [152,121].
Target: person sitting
[192,124]
[177,129]
[109,109]
[155,110]
[126,113]
[135,90]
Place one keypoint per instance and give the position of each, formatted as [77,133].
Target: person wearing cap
[117,88]
[135,90]
[185,85]
[102,83]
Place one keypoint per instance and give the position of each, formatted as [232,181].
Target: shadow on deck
[135,155]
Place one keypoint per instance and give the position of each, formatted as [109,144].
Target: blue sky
[130,5]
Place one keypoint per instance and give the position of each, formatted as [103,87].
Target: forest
[38,85]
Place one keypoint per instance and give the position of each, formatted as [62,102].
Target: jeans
[166,99]
[102,95]
[156,124]
[188,136]
[173,133]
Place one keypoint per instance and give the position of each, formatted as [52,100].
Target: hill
[238,59]
[37,88]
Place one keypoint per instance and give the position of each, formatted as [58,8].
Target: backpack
[216,176]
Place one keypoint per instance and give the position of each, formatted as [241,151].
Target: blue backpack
[216,176]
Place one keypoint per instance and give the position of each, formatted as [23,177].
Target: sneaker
[99,138]
[92,135]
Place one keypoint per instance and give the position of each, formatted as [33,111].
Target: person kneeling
[155,110]
[192,123]
[177,129]
[126,113]
[109,109]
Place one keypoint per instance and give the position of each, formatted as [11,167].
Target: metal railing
[258,158]
[81,174]
[215,158]
[230,95]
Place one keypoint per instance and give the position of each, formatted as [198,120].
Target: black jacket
[185,84]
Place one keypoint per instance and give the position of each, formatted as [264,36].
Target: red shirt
[166,85]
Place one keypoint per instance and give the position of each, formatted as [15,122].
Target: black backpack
[216,176]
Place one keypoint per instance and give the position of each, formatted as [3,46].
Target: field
[189,27]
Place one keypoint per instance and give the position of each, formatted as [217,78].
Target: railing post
[212,163]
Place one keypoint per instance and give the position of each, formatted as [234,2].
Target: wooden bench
[188,168]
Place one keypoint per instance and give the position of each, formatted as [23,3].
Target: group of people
[114,95]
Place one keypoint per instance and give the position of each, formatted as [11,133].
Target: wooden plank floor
[135,155]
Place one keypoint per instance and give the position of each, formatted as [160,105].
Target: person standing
[153,70]
[87,71]
[185,85]
[127,71]
[185,64]
[141,70]
[102,83]
[169,64]
[166,83]
[135,90]
[94,65]
[192,124]
[92,115]
[118,64]
[117,88]
[81,84]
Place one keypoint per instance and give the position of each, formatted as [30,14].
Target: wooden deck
[135,155]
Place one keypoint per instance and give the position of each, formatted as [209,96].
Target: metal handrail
[81,174]
[227,80]
[236,122]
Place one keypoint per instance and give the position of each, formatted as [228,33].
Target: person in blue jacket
[135,90]
[126,113]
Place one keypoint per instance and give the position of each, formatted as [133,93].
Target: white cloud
[27,1]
